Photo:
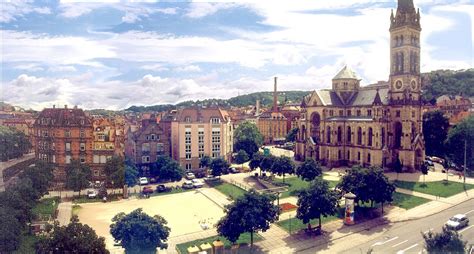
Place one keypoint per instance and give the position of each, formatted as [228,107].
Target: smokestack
[275,97]
[257,108]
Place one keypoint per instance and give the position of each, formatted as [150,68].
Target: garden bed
[244,239]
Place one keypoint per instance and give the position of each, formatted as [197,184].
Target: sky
[114,54]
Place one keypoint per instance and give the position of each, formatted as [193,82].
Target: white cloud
[188,68]
[13,10]
[202,9]
[62,68]
[32,67]
[74,10]
[154,67]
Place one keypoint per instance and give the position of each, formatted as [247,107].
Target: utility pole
[465,164]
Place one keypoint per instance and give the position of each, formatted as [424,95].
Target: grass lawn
[27,244]
[46,207]
[439,188]
[229,190]
[244,238]
[407,201]
[295,224]
[296,184]
[75,209]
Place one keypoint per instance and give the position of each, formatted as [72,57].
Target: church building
[371,125]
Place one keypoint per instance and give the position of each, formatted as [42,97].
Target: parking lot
[186,213]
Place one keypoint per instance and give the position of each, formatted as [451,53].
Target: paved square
[185,213]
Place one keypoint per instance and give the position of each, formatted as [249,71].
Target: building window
[216,139]
[201,148]
[341,112]
[83,146]
[145,159]
[187,119]
[147,137]
[358,156]
[349,113]
[82,134]
[54,158]
[96,172]
[67,133]
[45,133]
[358,112]
[345,85]
[96,159]
[348,135]
[152,136]
[188,156]
[103,159]
[369,112]
[216,150]
[339,134]
[397,113]
[68,147]
[359,136]
[368,158]
[339,155]
[68,159]
[328,135]
[188,166]
[187,136]
[146,147]
[348,155]
[82,159]
[369,143]
[160,148]
[215,120]
[413,114]
[383,137]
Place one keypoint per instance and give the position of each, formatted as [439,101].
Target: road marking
[469,212]
[460,231]
[399,243]
[403,251]
[380,243]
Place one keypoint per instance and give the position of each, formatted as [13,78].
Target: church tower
[405,86]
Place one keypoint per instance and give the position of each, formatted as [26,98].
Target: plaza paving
[186,213]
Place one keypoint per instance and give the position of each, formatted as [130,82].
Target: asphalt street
[406,237]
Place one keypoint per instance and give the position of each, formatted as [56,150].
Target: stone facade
[376,124]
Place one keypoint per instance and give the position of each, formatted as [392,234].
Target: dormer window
[187,119]
[345,85]
[215,120]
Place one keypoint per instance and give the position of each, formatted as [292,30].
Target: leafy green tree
[241,157]
[13,143]
[205,161]
[448,82]
[316,201]
[171,171]
[41,176]
[73,238]
[131,173]
[457,136]
[251,212]
[155,167]
[283,165]
[267,162]
[78,176]
[20,201]
[247,137]
[10,231]
[218,165]
[255,161]
[309,170]
[140,233]
[435,132]
[115,172]
[291,136]
[447,241]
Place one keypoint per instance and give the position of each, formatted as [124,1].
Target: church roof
[366,97]
[346,73]
[329,98]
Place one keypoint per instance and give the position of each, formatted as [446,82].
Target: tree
[18,199]
[291,136]
[131,173]
[447,241]
[460,136]
[241,157]
[309,170]
[316,201]
[205,161]
[13,143]
[73,238]
[435,132]
[78,176]
[41,176]
[247,137]
[255,161]
[283,165]
[267,162]
[171,171]
[10,231]
[398,166]
[114,170]
[251,212]
[218,165]
[424,171]
[140,233]
[155,167]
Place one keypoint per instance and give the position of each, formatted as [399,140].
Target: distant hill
[266,100]
[448,82]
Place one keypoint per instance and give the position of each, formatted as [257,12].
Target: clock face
[413,85]
[398,84]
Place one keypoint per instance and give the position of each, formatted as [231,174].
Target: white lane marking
[460,231]
[380,243]
[399,243]
[469,212]
[403,251]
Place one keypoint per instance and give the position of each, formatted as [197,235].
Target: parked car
[457,221]
[429,163]
[147,190]
[437,159]
[143,181]
[92,193]
[211,178]
[233,170]
[188,185]
[189,175]
[197,183]
[162,188]
[153,180]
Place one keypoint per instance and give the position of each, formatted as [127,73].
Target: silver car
[457,221]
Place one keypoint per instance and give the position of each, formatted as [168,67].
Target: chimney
[275,97]
[65,106]
[257,108]
[54,106]
[75,106]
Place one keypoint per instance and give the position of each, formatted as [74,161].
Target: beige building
[376,124]
[196,132]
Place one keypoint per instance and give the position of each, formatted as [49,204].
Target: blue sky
[116,54]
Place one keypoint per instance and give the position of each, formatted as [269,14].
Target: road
[406,237]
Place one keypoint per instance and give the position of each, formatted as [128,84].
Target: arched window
[339,155]
[383,137]
[369,143]
[339,134]
[368,158]
[348,135]
[359,136]
[328,135]
[348,155]
[315,122]
[398,135]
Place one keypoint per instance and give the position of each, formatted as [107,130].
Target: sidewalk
[64,213]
